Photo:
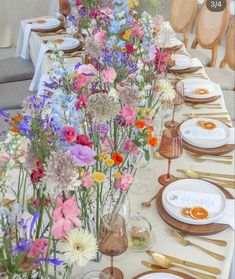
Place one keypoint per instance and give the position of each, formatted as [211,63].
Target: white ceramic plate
[172,42]
[183,62]
[195,135]
[191,84]
[201,188]
[67,44]
[160,275]
[48,24]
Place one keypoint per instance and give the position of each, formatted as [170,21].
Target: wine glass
[170,148]
[95,274]
[65,9]
[112,241]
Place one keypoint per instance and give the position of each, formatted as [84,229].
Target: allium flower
[103,107]
[167,90]
[61,169]
[83,155]
[79,247]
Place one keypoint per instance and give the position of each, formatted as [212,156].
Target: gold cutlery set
[223,159]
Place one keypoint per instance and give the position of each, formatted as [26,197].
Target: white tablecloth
[130,263]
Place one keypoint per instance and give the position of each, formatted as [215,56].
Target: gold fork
[214,241]
[181,240]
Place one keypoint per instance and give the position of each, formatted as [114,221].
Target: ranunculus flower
[129,114]
[83,155]
[65,217]
[81,82]
[130,48]
[124,182]
[109,75]
[84,140]
[100,37]
[69,134]
[86,69]
[117,158]
[140,124]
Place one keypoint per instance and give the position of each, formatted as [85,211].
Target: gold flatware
[150,265]
[166,263]
[205,105]
[229,157]
[218,242]
[59,32]
[206,113]
[230,176]
[148,203]
[181,240]
[222,119]
[211,269]
[212,160]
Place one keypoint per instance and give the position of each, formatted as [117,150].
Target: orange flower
[140,124]
[153,141]
[17,118]
[117,158]
[14,129]
[150,128]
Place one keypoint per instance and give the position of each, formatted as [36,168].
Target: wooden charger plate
[201,101]
[183,275]
[208,229]
[209,151]
[48,30]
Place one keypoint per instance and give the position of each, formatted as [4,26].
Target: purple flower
[83,155]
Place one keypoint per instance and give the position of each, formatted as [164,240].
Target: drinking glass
[95,274]
[170,148]
[65,9]
[112,241]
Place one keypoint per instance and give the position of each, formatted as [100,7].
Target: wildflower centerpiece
[77,140]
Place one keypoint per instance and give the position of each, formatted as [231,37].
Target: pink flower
[87,180]
[65,217]
[107,11]
[80,82]
[136,32]
[109,75]
[81,103]
[69,134]
[84,140]
[124,182]
[107,145]
[129,115]
[130,147]
[100,37]
[86,69]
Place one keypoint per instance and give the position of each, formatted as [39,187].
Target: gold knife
[152,266]
[211,269]
[211,174]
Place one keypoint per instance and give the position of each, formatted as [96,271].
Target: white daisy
[166,89]
[79,247]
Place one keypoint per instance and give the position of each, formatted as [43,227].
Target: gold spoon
[166,263]
[212,160]
[148,203]
[229,157]
[191,115]
[229,176]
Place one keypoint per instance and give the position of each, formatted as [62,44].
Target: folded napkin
[37,74]
[183,61]
[228,217]
[22,49]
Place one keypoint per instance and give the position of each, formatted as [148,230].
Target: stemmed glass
[95,274]
[113,241]
[170,148]
[65,9]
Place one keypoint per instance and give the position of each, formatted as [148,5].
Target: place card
[211,202]
[198,132]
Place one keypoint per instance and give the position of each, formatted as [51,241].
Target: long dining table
[130,263]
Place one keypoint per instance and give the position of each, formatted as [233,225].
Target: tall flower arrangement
[76,141]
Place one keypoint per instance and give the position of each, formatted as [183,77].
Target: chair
[12,94]
[15,69]
[182,15]
[211,28]
[226,77]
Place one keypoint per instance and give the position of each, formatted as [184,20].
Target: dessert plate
[45,23]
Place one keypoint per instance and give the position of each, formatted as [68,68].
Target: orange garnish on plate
[185,212]
[199,213]
[201,91]
[207,125]
[41,21]
[58,41]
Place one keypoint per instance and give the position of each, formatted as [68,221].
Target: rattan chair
[182,15]
[211,28]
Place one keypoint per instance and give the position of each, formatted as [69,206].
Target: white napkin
[228,217]
[36,78]
[232,136]
[183,61]
[22,49]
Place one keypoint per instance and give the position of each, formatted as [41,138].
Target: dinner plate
[195,135]
[194,193]
[170,43]
[45,23]
[191,84]
[183,62]
[160,275]
[66,43]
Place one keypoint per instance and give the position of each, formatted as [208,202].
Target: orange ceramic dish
[199,213]
[207,125]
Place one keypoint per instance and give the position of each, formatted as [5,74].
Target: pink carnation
[130,147]
[124,182]
[86,69]
[109,75]
[80,82]
[87,180]
[129,115]
[65,217]
[100,37]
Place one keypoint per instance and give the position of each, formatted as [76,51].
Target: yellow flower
[126,35]
[109,162]
[102,156]
[98,177]
[117,175]
[133,3]
[75,74]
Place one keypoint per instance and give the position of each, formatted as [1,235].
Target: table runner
[130,263]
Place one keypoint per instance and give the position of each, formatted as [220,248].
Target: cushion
[224,77]
[13,93]
[204,58]
[15,69]
[229,98]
